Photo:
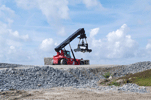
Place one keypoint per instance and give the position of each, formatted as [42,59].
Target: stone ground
[72,94]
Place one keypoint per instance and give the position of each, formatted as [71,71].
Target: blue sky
[118,31]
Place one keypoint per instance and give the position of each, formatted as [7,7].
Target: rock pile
[34,78]
[47,77]
[129,87]
[132,88]
[132,68]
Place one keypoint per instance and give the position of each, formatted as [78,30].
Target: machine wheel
[63,62]
[81,63]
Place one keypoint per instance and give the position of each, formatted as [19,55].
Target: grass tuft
[114,83]
[107,75]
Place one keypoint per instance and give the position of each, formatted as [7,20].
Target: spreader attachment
[83,47]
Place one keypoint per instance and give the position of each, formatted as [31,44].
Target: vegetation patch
[141,78]
[107,75]
[114,83]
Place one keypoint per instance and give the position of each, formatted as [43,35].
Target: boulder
[110,78]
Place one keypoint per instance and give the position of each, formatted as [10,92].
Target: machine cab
[67,53]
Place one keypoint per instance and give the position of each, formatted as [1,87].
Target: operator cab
[67,53]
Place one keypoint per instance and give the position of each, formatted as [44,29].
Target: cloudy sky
[118,31]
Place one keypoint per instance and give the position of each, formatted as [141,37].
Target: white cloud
[11,49]
[13,34]
[147,51]
[6,13]
[142,5]
[93,3]
[148,46]
[54,10]
[5,18]
[94,32]
[26,4]
[3,28]
[47,45]
[10,21]
[16,35]
[50,8]
[118,34]
[15,43]
[17,55]
[7,10]
[10,41]
[116,44]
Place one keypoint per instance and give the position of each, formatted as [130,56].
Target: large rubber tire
[63,62]
[81,63]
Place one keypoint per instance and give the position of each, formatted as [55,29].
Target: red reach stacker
[63,56]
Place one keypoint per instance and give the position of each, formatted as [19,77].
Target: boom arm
[80,32]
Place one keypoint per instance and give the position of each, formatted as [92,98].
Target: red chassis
[63,59]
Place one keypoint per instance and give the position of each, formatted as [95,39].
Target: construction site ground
[72,94]
[69,93]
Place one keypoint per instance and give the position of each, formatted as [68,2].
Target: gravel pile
[132,88]
[132,68]
[47,77]
[6,65]
[122,70]
[35,78]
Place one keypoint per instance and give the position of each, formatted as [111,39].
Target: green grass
[143,81]
[114,83]
[107,75]
[141,78]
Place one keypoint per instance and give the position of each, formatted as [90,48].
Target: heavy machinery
[63,56]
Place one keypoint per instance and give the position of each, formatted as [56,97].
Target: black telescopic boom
[80,32]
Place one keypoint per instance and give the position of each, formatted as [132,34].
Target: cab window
[68,54]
